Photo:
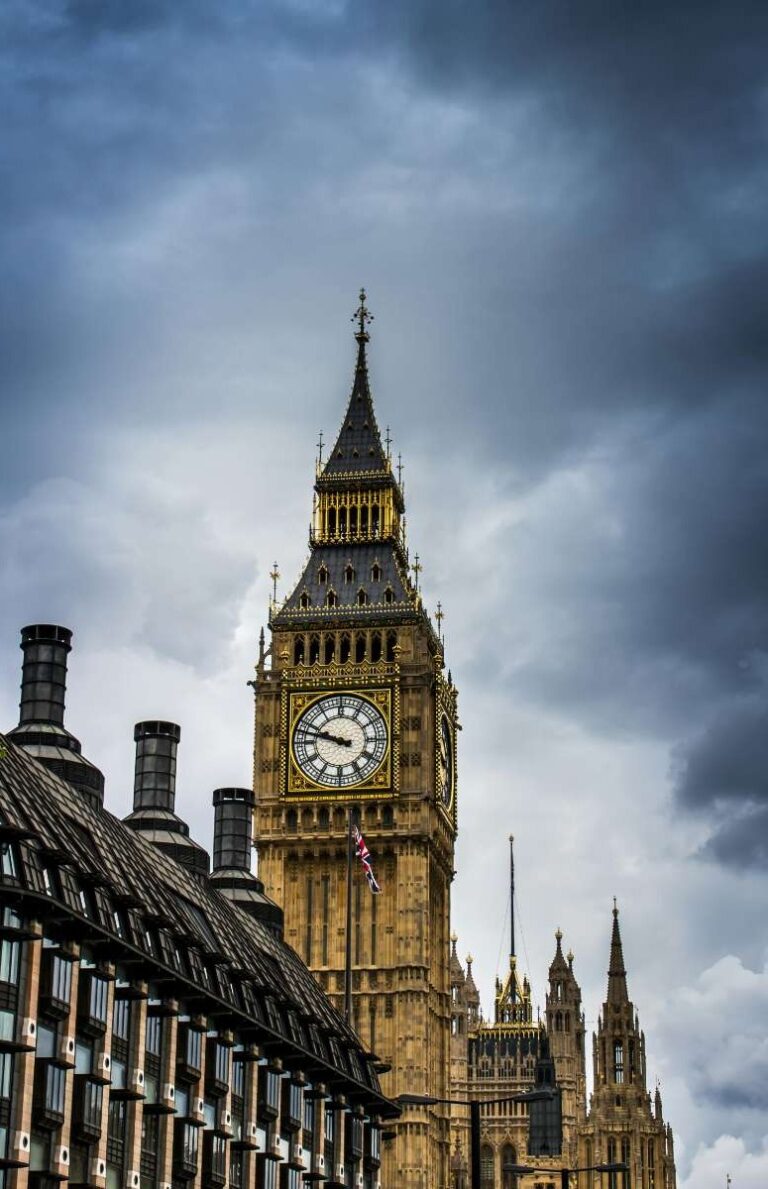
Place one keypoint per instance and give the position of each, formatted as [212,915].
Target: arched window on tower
[558,1021]
[376,646]
[322,575]
[331,522]
[304,600]
[353,521]
[625,1159]
[508,1162]
[291,821]
[298,650]
[389,595]
[331,599]
[387,816]
[359,648]
[651,1165]
[375,572]
[362,597]
[364,520]
[391,645]
[323,820]
[342,522]
[486,1167]
[375,520]
[344,650]
[330,649]
[349,572]
[618,1062]
[314,649]
[611,1150]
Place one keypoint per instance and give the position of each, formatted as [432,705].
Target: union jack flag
[364,855]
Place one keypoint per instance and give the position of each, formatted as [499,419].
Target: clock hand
[334,739]
[325,735]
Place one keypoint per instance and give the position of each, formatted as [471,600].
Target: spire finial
[362,316]
[417,567]
[320,445]
[615,907]
[388,443]
[439,616]
[274,574]
[400,470]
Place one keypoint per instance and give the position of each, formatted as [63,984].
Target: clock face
[445,763]
[340,740]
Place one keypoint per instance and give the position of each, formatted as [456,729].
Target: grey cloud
[724,772]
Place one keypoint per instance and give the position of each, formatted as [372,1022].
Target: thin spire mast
[512,896]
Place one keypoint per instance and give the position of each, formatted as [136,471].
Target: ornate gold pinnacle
[362,316]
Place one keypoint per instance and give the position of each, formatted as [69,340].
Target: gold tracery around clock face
[340,740]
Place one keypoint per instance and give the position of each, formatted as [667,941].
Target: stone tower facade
[355,719]
[622,1124]
[565,1028]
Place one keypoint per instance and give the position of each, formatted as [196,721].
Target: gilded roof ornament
[363,317]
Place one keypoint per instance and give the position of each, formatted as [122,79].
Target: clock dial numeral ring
[340,740]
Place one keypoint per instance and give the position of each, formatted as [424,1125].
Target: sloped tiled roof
[96,848]
[335,560]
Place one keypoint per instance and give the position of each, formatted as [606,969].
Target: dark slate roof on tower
[344,573]
[358,447]
[617,975]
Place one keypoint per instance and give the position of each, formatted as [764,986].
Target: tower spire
[617,974]
[511,896]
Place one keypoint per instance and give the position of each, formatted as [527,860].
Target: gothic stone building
[619,1124]
[353,708]
[155,1030]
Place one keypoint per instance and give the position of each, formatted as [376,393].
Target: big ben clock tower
[353,708]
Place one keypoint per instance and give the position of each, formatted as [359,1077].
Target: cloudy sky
[559,212]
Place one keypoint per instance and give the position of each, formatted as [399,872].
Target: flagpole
[348,946]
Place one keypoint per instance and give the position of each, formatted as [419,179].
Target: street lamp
[520,1170]
[474,1105]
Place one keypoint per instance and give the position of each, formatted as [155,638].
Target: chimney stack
[154,796]
[154,784]
[232,844]
[41,731]
[44,673]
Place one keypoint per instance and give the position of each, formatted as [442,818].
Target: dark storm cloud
[596,287]
[724,771]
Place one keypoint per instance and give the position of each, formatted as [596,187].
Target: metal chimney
[41,731]
[154,796]
[232,845]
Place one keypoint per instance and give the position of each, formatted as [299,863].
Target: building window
[375,572]
[186,1141]
[298,651]
[359,648]
[486,1167]
[189,1054]
[508,1161]
[9,962]
[322,575]
[625,1159]
[349,573]
[376,646]
[389,595]
[618,1062]
[304,601]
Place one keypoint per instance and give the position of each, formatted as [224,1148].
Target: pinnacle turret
[617,975]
